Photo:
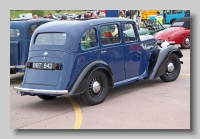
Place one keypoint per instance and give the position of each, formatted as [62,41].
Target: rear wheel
[44,97]
[173,68]
[97,88]
[186,42]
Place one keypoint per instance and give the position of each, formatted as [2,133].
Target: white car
[70,16]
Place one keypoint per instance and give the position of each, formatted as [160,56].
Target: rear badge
[45,54]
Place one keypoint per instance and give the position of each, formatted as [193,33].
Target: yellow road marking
[185,58]
[15,81]
[78,113]
[186,74]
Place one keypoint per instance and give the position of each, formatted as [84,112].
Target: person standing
[128,14]
[138,16]
[159,18]
[35,16]
[187,13]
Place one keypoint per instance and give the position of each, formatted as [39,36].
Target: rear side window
[89,39]
[50,39]
[32,29]
[109,34]
[14,32]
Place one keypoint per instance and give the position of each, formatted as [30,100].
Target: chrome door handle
[103,52]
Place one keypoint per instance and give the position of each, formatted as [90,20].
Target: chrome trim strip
[18,66]
[29,90]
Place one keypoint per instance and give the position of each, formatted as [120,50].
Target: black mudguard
[79,84]
[158,60]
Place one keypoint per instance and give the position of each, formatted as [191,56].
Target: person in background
[187,13]
[159,18]
[50,16]
[94,15]
[121,15]
[128,14]
[35,16]
[138,17]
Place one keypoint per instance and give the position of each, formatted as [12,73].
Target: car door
[132,50]
[112,49]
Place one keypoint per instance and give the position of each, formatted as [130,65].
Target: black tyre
[97,88]
[186,42]
[44,97]
[173,68]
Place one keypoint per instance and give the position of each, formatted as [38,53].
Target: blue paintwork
[127,61]
[19,46]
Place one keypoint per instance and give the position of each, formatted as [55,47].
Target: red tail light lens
[56,66]
[28,64]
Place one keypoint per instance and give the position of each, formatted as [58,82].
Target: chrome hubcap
[170,67]
[187,41]
[96,87]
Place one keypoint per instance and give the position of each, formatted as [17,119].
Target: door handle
[103,52]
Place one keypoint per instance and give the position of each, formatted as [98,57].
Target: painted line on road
[15,81]
[78,113]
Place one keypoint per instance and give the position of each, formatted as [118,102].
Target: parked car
[149,27]
[71,16]
[20,34]
[178,33]
[81,57]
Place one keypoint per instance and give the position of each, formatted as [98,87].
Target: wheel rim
[171,70]
[187,41]
[96,87]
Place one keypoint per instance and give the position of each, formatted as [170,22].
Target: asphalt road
[145,105]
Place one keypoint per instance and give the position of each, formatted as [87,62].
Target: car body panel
[122,62]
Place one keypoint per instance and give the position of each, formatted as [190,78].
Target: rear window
[179,24]
[14,32]
[50,39]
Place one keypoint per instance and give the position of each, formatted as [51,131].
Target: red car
[178,33]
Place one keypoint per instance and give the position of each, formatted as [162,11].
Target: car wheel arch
[78,86]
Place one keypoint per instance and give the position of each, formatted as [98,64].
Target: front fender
[79,84]
[158,60]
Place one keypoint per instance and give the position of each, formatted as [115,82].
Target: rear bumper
[40,91]
[18,66]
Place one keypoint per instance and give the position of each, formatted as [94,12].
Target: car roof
[77,24]
[186,21]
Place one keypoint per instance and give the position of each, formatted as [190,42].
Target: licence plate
[42,65]
[160,41]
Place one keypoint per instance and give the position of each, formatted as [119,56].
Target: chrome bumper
[18,66]
[40,91]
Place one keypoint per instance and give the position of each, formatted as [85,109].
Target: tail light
[28,64]
[56,66]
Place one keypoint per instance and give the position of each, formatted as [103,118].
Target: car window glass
[173,11]
[179,11]
[32,29]
[109,34]
[177,24]
[128,33]
[89,39]
[50,39]
[168,11]
[14,32]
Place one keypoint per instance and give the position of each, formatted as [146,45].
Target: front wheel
[173,68]
[44,97]
[97,88]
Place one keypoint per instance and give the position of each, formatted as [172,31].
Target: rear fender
[159,58]
[79,84]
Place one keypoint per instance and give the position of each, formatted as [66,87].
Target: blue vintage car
[82,57]
[20,34]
